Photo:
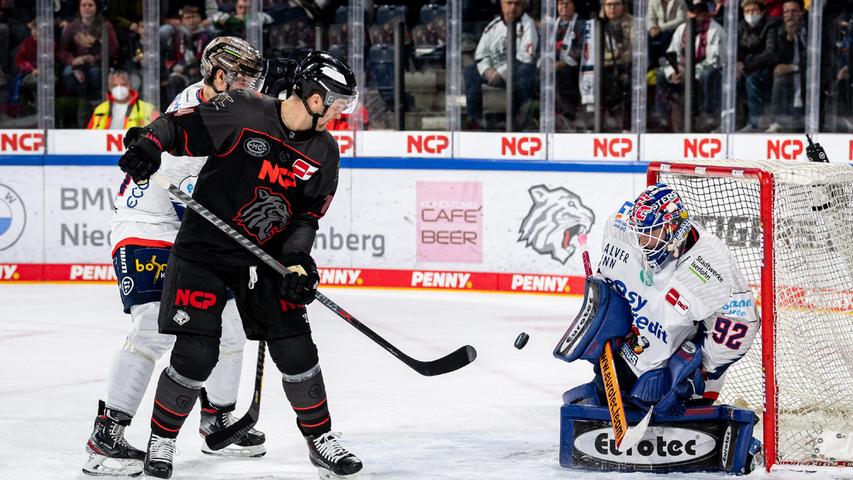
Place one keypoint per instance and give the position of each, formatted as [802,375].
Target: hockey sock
[307,395]
[175,397]
[211,408]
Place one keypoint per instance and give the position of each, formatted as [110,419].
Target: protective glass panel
[837,64]
[19,64]
[494,99]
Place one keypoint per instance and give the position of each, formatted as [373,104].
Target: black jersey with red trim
[270,183]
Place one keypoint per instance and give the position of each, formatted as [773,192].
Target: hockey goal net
[790,227]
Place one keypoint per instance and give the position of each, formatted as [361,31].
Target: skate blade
[235,450]
[326,474]
[99,465]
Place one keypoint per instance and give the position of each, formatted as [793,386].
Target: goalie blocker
[701,438]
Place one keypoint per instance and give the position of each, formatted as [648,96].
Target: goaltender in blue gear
[670,299]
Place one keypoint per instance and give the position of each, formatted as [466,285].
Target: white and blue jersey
[699,296]
[147,215]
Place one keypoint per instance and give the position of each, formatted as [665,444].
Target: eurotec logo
[660,446]
[13,217]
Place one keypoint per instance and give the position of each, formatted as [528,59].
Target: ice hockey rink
[497,418]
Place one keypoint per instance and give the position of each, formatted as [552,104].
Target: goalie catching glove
[299,287]
[142,157]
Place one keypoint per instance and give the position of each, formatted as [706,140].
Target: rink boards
[426,210]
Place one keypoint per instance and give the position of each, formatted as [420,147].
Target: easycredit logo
[441,279]
[784,149]
[524,146]
[345,143]
[702,147]
[21,142]
[614,147]
[434,144]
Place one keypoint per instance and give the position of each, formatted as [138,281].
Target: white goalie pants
[133,365]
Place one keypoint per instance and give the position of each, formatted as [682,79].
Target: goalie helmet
[241,62]
[660,222]
[325,74]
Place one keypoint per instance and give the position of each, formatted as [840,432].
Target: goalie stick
[626,437]
[446,364]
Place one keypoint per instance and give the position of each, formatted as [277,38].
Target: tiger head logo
[266,215]
[554,221]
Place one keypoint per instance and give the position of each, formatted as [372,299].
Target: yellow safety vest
[139,114]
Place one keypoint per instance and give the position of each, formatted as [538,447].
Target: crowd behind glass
[98,58]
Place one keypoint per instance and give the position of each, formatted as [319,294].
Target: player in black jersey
[272,173]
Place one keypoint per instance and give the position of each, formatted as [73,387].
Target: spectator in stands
[184,50]
[123,108]
[126,17]
[708,64]
[618,39]
[80,51]
[836,66]
[235,23]
[789,74]
[662,18]
[26,72]
[490,60]
[756,56]
[569,43]
[14,16]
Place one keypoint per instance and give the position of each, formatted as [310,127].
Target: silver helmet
[241,62]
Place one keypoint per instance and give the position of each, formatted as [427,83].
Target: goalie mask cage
[790,228]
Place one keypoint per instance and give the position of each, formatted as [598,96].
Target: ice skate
[213,420]
[109,453]
[158,461]
[331,459]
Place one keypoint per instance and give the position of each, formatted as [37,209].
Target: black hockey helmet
[322,73]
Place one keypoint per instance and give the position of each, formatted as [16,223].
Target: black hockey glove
[299,287]
[142,157]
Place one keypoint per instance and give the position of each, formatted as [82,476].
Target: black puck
[521,340]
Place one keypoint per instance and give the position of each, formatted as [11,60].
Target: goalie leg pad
[709,439]
[604,316]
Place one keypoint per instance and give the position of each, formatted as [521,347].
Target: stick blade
[234,432]
[446,364]
[635,433]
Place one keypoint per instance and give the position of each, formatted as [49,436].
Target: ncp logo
[345,143]
[784,149]
[554,222]
[524,146]
[32,142]
[616,147]
[13,217]
[434,144]
[702,147]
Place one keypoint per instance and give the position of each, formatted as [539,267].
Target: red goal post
[790,227]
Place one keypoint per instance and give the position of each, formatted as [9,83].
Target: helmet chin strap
[315,117]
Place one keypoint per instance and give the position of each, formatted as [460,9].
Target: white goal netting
[809,208]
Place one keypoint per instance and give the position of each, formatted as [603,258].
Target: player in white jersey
[687,298]
[145,224]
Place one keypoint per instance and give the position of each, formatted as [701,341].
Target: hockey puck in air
[521,340]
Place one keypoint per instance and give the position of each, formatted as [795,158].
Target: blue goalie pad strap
[611,320]
[712,438]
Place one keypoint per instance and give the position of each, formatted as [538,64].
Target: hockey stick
[626,437]
[448,363]
[234,432]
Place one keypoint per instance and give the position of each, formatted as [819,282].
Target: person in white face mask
[123,108]
[756,57]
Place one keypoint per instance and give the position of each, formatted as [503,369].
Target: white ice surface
[497,418]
